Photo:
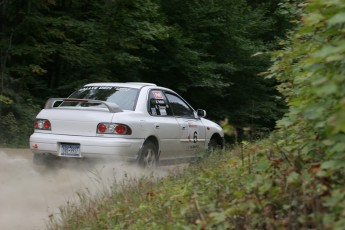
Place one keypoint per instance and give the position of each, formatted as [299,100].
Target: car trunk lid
[75,121]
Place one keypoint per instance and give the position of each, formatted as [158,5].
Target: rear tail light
[121,129]
[42,124]
[113,128]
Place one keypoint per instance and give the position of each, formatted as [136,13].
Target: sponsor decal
[157,95]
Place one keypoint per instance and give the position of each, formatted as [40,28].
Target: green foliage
[180,201]
[225,36]
[293,180]
[5,100]
[311,69]
[9,127]
[53,47]
[203,49]
[16,123]
[251,187]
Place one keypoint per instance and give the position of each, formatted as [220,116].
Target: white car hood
[81,122]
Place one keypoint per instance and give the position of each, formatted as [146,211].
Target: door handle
[157,126]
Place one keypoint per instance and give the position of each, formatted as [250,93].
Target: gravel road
[30,194]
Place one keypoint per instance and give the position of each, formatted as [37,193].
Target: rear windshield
[125,98]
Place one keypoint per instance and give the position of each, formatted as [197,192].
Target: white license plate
[70,150]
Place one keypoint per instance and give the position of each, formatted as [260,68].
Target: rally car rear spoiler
[112,107]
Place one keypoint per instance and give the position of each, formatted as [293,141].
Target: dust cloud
[29,194]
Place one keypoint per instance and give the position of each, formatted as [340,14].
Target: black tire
[213,145]
[148,157]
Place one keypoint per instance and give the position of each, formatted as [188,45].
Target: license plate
[70,150]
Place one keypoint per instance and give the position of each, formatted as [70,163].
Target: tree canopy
[211,52]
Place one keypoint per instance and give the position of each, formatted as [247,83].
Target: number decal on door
[195,137]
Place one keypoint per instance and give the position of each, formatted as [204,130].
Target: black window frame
[157,109]
[192,115]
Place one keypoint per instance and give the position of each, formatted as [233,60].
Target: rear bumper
[90,147]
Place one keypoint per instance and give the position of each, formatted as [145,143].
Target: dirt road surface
[30,194]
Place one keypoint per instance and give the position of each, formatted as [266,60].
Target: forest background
[210,51]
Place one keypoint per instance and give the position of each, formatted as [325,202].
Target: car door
[192,131]
[165,125]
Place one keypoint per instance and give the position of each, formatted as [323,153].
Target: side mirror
[201,113]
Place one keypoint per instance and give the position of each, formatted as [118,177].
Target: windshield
[125,98]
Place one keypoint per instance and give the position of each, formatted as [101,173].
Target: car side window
[158,104]
[178,106]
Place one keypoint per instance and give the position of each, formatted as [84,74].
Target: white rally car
[133,121]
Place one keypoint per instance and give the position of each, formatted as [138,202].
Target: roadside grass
[252,186]
[198,196]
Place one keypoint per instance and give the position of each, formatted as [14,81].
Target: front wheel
[213,145]
[148,157]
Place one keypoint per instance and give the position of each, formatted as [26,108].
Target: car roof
[137,85]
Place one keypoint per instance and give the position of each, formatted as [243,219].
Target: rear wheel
[148,157]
